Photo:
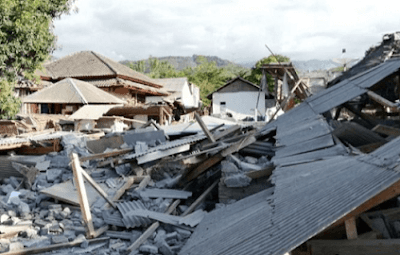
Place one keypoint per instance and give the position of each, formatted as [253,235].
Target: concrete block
[249,167]
[43,166]
[53,174]
[165,249]
[12,213]
[149,249]
[7,189]
[141,147]
[183,232]
[16,246]
[14,182]
[237,181]
[229,168]
[4,218]
[251,160]
[60,161]
[59,239]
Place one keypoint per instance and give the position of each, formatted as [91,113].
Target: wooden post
[351,228]
[83,201]
[204,127]
[149,232]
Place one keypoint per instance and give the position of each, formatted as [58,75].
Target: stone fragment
[43,165]
[53,174]
[237,181]
[251,160]
[4,218]
[165,249]
[16,246]
[6,189]
[229,167]
[149,248]
[59,239]
[183,232]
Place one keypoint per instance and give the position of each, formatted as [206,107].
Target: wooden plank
[105,155]
[83,201]
[218,157]
[98,188]
[389,193]
[267,171]
[386,130]
[226,132]
[150,231]
[161,154]
[354,247]
[204,128]
[200,199]
[351,228]
[54,247]
[381,100]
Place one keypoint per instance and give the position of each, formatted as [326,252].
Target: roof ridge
[77,90]
[108,65]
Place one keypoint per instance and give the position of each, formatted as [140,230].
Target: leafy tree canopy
[256,73]
[26,40]
[207,75]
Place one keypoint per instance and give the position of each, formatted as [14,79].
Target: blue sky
[234,30]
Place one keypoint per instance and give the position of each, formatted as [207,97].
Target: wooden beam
[267,171]
[351,228]
[354,247]
[150,231]
[389,193]
[218,157]
[200,199]
[105,155]
[381,100]
[97,187]
[83,201]
[128,183]
[204,128]
[386,130]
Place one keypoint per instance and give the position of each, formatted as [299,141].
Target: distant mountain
[314,65]
[182,62]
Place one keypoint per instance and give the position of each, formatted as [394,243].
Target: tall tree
[26,40]
[256,72]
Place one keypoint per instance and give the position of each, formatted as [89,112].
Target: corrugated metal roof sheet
[308,197]
[130,220]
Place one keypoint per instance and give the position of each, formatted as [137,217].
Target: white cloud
[236,30]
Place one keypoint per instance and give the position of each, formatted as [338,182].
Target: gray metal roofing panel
[301,133]
[336,98]
[351,88]
[311,156]
[321,142]
[168,145]
[129,220]
[302,206]
[173,84]
[356,134]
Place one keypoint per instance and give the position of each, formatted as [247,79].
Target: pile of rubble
[136,192]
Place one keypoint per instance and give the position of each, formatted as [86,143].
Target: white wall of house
[190,96]
[239,104]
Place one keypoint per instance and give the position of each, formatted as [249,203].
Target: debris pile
[142,191]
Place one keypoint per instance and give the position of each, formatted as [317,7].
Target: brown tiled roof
[101,83]
[86,64]
[72,91]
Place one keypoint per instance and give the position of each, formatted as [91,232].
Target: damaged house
[238,99]
[104,73]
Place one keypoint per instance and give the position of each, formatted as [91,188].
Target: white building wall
[239,104]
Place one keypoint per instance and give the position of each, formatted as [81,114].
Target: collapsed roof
[318,180]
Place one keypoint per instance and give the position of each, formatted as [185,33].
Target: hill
[181,63]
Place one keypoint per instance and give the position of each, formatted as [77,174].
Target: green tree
[159,70]
[26,40]
[139,66]
[256,73]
